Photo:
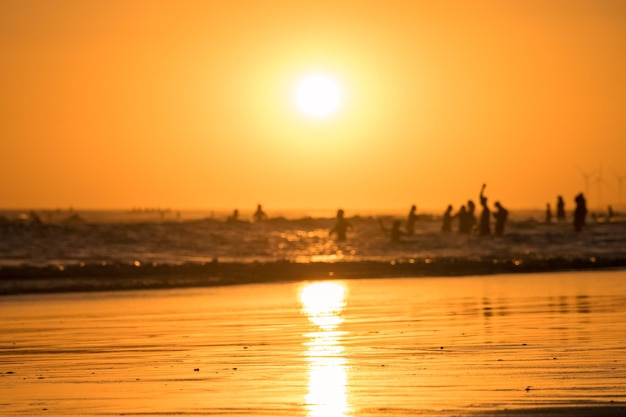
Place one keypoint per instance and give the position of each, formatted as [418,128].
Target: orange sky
[189,104]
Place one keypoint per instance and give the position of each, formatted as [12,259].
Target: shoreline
[484,346]
[119,277]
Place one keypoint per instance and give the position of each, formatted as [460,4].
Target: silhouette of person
[580,212]
[548,214]
[259,214]
[471,216]
[464,220]
[501,216]
[611,214]
[484,227]
[560,209]
[341,226]
[447,220]
[410,220]
[234,217]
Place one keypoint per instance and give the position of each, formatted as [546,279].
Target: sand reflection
[323,303]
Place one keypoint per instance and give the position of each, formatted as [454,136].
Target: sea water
[114,244]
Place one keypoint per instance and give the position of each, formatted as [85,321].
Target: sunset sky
[191,104]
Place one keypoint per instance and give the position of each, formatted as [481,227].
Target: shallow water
[445,346]
[104,251]
[107,239]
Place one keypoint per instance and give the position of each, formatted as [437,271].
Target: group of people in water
[468,223]
[580,211]
[466,216]
[259,215]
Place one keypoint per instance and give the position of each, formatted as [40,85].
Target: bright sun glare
[323,303]
[318,95]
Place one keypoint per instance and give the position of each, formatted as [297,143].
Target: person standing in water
[560,209]
[234,217]
[341,226]
[463,217]
[410,220]
[501,216]
[447,220]
[580,212]
[471,217]
[484,227]
[259,214]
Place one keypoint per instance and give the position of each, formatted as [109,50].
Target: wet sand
[501,345]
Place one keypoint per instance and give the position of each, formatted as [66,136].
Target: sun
[318,95]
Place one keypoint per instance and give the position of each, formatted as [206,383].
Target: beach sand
[501,345]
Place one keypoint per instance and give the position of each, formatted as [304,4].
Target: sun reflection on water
[323,303]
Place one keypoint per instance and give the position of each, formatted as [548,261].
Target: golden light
[323,303]
[318,95]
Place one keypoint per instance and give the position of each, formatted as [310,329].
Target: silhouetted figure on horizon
[501,215]
[471,216]
[464,220]
[610,214]
[341,226]
[259,214]
[410,220]
[484,228]
[560,209]
[446,225]
[548,214]
[234,217]
[580,212]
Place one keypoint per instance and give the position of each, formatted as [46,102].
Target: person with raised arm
[484,228]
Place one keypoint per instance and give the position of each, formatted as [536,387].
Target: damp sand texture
[524,344]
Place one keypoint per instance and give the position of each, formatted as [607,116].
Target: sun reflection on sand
[323,304]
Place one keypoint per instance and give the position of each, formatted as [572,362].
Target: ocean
[67,250]
[276,318]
